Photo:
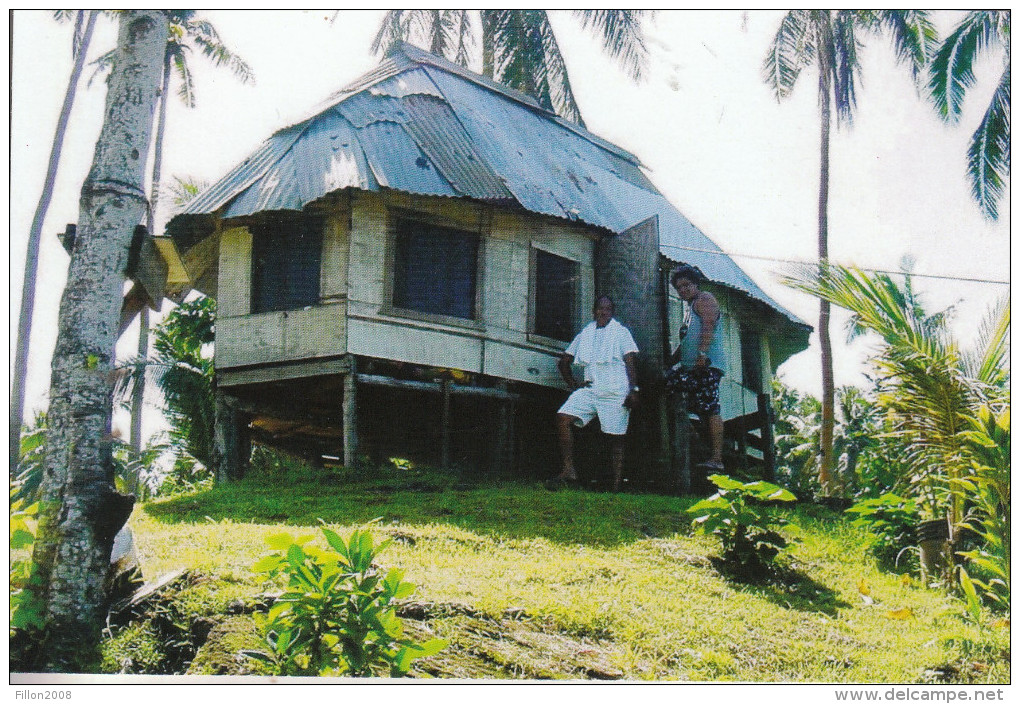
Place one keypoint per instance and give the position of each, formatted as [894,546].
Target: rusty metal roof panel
[245,173]
[436,129]
[328,157]
[397,162]
[548,169]
[411,82]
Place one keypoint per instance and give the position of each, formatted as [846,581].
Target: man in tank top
[698,361]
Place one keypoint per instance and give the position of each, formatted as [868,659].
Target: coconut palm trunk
[825,50]
[80,509]
[82,37]
[138,390]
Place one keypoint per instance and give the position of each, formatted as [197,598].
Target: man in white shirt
[607,351]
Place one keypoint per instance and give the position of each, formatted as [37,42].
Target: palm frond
[914,36]
[989,154]
[101,64]
[390,32]
[792,48]
[186,87]
[519,53]
[456,26]
[989,361]
[952,69]
[621,35]
[183,190]
[846,67]
[206,38]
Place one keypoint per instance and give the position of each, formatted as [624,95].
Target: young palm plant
[182,370]
[928,386]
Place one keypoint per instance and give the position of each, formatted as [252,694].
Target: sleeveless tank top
[689,344]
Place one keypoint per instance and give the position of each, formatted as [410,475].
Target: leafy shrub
[988,520]
[735,515]
[337,615]
[890,519]
[26,610]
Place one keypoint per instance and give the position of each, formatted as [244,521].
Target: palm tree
[952,75]
[928,385]
[85,22]
[831,40]
[519,48]
[187,33]
[80,511]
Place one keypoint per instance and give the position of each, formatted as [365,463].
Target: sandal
[561,483]
[715,466]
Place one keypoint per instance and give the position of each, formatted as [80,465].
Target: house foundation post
[681,431]
[502,457]
[231,441]
[350,413]
[768,436]
[445,451]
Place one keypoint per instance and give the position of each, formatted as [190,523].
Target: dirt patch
[512,646]
[222,652]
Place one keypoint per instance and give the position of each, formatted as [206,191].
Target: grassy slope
[617,576]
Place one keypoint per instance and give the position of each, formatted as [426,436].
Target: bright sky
[741,167]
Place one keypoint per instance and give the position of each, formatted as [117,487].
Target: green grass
[532,583]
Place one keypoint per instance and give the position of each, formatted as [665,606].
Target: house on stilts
[399,273]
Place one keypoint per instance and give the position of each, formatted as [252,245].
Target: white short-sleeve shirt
[600,351]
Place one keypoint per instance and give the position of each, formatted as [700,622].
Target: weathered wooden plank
[234,285]
[281,336]
[336,246]
[280,372]
[423,345]
[435,387]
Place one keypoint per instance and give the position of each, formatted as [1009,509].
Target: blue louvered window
[435,269]
[286,261]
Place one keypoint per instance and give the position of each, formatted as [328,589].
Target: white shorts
[585,404]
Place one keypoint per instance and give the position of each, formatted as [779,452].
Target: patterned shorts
[701,385]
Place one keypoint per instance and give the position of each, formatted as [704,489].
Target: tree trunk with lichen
[81,510]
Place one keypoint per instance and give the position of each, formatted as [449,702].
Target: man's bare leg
[715,432]
[565,430]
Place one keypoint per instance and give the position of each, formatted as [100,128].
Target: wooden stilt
[681,441]
[350,413]
[445,456]
[502,453]
[225,451]
[768,436]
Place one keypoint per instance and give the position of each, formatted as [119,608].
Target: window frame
[259,234]
[394,217]
[575,304]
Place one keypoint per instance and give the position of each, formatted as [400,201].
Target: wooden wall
[356,314]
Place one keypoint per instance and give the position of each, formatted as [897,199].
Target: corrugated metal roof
[422,125]
[436,129]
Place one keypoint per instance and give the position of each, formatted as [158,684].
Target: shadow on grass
[419,498]
[787,588]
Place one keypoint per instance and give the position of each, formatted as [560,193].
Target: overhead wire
[779,260]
